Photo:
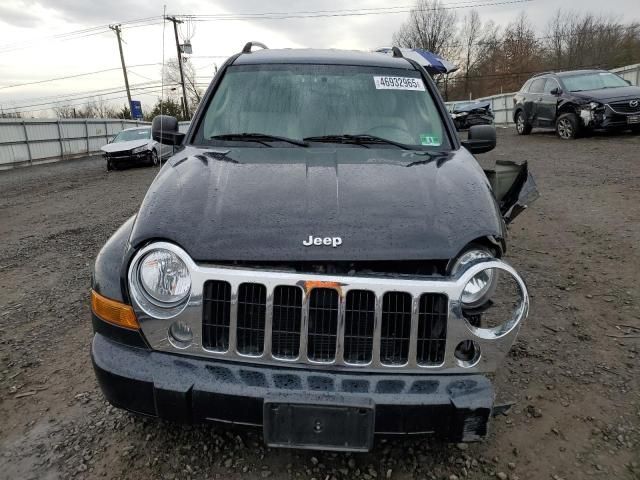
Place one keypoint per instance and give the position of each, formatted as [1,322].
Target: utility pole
[185,102]
[116,28]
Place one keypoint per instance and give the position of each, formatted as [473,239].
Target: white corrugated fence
[26,142]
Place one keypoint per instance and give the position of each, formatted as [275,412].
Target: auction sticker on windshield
[398,83]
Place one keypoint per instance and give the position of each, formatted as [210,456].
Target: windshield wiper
[258,137]
[361,139]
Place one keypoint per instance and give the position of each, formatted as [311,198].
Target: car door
[547,105]
[534,97]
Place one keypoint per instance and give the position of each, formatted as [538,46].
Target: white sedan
[134,146]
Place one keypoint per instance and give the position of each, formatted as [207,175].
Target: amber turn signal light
[113,312]
[311,284]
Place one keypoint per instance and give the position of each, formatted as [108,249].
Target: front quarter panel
[110,263]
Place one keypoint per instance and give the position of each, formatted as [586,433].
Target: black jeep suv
[320,258]
[576,102]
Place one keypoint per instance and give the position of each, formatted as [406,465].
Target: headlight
[482,285]
[594,105]
[164,277]
[139,149]
[458,115]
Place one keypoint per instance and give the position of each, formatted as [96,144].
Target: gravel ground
[573,374]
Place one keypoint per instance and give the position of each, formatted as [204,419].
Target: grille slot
[359,320]
[432,328]
[216,303]
[284,323]
[323,324]
[396,328]
[287,317]
[625,107]
[252,306]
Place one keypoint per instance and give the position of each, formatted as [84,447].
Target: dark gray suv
[577,102]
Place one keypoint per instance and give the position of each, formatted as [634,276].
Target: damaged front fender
[513,186]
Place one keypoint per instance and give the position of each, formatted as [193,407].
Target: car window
[525,87]
[550,84]
[593,81]
[537,86]
[299,101]
[128,135]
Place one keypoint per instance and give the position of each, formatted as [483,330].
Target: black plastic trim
[125,336]
[190,390]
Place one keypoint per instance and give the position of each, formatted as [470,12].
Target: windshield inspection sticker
[399,83]
[430,140]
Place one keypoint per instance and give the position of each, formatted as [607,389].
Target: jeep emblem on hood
[328,241]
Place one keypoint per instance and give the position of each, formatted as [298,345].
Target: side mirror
[164,129]
[629,82]
[481,139]
[556,91]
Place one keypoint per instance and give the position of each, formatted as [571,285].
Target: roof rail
[543,73]
[247,48]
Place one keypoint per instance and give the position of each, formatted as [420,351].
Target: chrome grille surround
[494,343]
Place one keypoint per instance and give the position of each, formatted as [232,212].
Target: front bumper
[191,390]
[129,158]
[609,119]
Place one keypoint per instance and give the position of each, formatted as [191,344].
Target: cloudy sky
[35,45]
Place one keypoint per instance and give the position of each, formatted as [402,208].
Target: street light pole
[185,102]
[116,28]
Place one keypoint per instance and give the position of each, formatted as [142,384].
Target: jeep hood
[260,204]
[124,146]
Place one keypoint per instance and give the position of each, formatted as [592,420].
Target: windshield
[310,101]
[137,134]
[593,81]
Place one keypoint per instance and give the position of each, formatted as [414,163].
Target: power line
[137,87]
[22,112]
[85,32]
[414,7]
[4,87]
[347,13]
[157,20]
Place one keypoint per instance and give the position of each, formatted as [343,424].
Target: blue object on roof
[430,61]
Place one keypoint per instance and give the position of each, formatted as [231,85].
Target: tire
[522,127]
[109,166]
[567,126]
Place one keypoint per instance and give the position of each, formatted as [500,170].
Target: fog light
[180,334]
[467,354]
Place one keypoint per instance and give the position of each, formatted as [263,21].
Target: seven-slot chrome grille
[325,325]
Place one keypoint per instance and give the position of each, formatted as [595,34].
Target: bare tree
[172,76]
[471,38]
[64,111]
[430,26]
[575,40]
[94,108]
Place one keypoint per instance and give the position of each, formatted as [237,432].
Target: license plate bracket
[633,119]
[319,425]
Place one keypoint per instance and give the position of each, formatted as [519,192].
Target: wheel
[110,166]
[522,127]
[155,160]
[567,126]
